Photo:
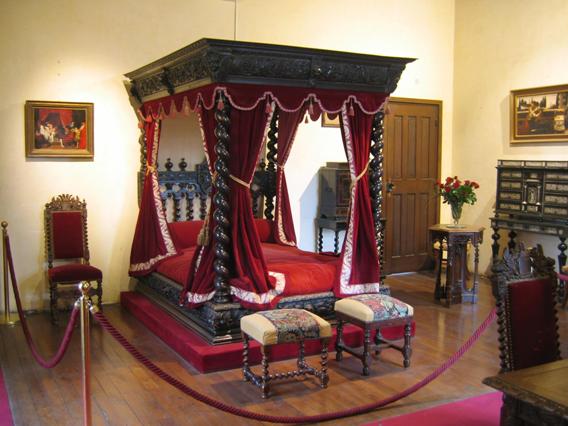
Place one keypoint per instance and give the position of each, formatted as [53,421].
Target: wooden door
[412,166]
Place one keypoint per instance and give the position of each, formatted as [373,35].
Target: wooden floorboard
[125,393]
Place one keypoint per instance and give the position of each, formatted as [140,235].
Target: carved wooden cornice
[222,61]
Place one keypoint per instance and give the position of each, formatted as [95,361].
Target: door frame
[440,105]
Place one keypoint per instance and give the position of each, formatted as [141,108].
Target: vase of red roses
[457,193]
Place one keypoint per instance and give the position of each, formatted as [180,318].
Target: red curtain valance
[247,97]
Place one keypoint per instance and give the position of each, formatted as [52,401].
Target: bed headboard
[185,193]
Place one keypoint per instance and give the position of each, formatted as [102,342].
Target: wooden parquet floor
[125,393]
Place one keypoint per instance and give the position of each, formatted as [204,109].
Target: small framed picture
[329,120]
[59,129]
[539,115]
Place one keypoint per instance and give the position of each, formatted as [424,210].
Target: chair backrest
[66,229]
[524,284]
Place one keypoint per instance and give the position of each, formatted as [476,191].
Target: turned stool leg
[407,350]
[324,378]
[246,368]
[366,350]
[377,341]
[339,341]
[265,385]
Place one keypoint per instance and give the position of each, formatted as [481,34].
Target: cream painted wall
[411,28]
[71,50]
[78,51]
[501,46]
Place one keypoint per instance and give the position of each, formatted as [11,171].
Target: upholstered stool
[371,312]
[271,328]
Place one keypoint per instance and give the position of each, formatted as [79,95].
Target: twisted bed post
[376,177]
[221,236]
[270,190]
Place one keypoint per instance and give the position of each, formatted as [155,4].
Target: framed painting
[329,120]
[59,129]
[539,115]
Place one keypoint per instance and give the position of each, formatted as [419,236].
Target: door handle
[390,187]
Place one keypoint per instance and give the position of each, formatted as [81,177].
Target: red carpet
[207,358]
[5,412]
[481,410]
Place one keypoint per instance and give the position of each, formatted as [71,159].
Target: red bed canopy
[235,109]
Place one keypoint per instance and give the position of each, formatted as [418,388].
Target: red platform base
[207,358]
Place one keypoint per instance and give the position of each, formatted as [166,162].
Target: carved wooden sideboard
[532,196]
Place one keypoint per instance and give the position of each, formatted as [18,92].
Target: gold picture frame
[539,114]
[59,129]
[326,121]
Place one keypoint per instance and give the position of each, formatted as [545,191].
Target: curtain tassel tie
[358,178]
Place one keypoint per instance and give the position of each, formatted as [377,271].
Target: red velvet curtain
[199,284]
[152,240]
[288,123]
[360,257]
[251,283]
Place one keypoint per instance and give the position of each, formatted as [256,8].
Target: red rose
[456,184]
[476,186]
[448,179]
[448,189]
[467,182]
[441,185]
[455,177]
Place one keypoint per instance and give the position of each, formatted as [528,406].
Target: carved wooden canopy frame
[210,61]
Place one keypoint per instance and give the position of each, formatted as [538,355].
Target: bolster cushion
[264,229]
[373,307]
[184,234]
[74,272]
[284,326]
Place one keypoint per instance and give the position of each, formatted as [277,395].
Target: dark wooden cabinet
[532,196]
[334,181]
[533,189]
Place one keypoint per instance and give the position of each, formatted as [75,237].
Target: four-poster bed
[229,263]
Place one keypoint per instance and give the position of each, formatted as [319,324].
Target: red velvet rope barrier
[104,322]
[68,331]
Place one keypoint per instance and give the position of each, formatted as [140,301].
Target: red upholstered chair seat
[74,272]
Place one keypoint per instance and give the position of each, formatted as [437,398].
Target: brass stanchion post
[6,319]
[84,303]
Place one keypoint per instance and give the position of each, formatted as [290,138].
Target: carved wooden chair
[66,242]
[524,285]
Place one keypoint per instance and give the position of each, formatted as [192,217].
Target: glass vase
[456,214]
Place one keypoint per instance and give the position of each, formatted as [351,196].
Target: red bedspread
[176,268]
[304,272]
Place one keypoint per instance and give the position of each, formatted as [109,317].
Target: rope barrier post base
[84,305]
[6,320]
